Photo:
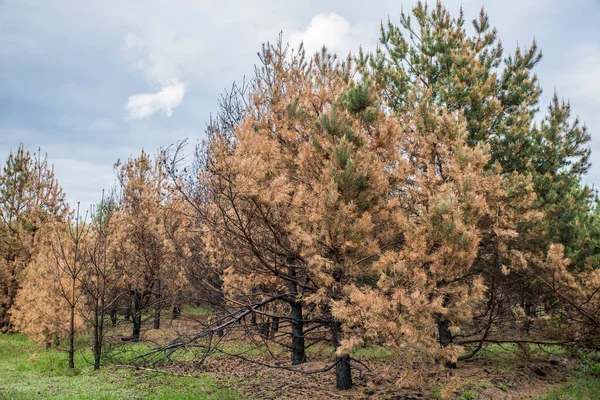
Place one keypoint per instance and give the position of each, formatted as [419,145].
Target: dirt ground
[376,378]
[476,379]
[481,378]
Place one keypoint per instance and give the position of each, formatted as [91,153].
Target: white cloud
[329,29]
[163,60]
[143,105]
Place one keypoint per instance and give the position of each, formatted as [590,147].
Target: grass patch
[583,387]
[196,311]
[512,351]
[29,372]
[378,352]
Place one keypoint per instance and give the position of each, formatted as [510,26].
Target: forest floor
[27,371]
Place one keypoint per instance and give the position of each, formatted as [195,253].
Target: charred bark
[158,305]
[298,355]
[445,336]
[136,316]
[176,312]
[343,369]
[274,326]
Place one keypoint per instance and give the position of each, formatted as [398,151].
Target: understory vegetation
[396,223]
[28,371]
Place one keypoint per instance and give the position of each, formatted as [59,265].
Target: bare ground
[377,379]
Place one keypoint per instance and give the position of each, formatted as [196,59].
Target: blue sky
[93,81]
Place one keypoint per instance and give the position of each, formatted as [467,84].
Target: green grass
[378,352]
[364,352]
[196,311]
[583,387]
[28,372]
[511,351]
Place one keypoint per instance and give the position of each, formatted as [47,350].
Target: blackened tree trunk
[97,347]
[99,314]
[529,310]
[127,315]
[274,326]
[445,336]
[343,373]
[158,305]
[113,313]
[136,316]
[176,312]
[298,350]
[72,337]
[264,327]
[343,369]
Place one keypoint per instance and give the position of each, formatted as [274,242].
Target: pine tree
[100,281]
[498,96]
[30,197]
[151,270]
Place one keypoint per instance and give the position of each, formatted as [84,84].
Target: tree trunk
[298,353]
[96,348]
[176,313]
[264,327]
[343,369]
[158,305]
[445,336]
[127,315]
[136,317]
[274,326]
[113,313]
[99,330]
[343,373]
[72,338]
[529,310]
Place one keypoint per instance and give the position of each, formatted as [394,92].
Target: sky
[90,82]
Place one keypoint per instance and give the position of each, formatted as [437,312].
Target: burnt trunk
[176,312]
[264,328]
[445,336]
[99,315]
[97,348]
[274,326]
[298,352]
[113,314]
[158,305]
[529,310]
[127,316]
[72,338]
[136,316]
[343,369]
[343,373]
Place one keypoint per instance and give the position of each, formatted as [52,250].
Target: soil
[375,378]
[483,379]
